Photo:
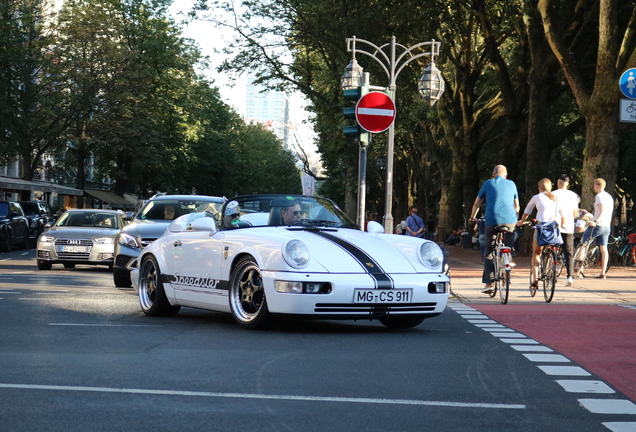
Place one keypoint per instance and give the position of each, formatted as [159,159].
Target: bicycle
[501,260]
[628,252]
[587,257]
[550,267]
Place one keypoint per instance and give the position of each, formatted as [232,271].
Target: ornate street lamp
[352,76]
[431,84]
[431,87]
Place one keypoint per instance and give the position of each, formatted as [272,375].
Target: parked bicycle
[627,254]
[588,256]
[502,265]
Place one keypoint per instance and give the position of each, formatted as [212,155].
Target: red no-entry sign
[375,112]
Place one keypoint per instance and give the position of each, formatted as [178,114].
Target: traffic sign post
[375,112]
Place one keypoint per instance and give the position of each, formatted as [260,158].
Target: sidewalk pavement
[466,269]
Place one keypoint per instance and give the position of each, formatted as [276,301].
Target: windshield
[170,209]
[283,210]
[88,220]
[30,208]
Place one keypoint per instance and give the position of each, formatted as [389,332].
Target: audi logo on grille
[73,242]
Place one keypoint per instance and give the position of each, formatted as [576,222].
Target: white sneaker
[569,282]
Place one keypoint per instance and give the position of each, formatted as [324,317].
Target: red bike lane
[600,338]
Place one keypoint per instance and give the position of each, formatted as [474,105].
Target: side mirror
[204,224]
[374,227]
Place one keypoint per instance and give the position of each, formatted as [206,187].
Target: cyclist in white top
[570,203]
[601,225]
[548,210]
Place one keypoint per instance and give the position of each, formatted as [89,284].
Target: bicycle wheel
[579,259]
[533,288]
[504,280]
[594,261]
[548,262]
[495,284]
[560,263]
[629,256]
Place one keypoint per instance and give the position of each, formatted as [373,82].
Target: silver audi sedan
[80,236]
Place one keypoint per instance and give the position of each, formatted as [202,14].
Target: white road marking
[535,348]
[620,426]
[547,358]
[585,386]
[263,396]
[491,326]
[482,321]
[509,335]
[495,330]
[609,406]
[520,341]
[564,370]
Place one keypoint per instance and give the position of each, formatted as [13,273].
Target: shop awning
[110,198]
[14,184]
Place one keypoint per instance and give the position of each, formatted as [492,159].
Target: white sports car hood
[353,251]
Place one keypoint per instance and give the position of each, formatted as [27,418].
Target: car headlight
[431,255]
[296,254]
[46,238]
[104,240]
[128,241]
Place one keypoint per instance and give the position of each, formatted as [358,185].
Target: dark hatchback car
[14,226]
[39,214]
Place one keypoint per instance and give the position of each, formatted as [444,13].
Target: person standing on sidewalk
[414,224]
[601,225]
[569,202]
[502,206]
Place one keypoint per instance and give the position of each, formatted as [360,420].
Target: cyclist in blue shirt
[502,206]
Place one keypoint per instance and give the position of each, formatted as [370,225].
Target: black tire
[24,244]
[495,283]
[69,265]
[550,274]
[560,263]
[152,296]
[533,287]
[401,322]
[504,281]
[121,277]
[629,257]
[593,262]
[247,295]
[44,265]
[5,242]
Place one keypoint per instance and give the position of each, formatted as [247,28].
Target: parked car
[150,221]
[39,214]
[14,226]
[80,236]
[290,256]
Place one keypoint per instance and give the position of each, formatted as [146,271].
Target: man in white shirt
[601,225]
[569,202]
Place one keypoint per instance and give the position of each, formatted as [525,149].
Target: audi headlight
[128,241]
[296,254]
[104,240]
[431,255]
[46,238]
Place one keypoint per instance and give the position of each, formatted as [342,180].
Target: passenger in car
[168,212]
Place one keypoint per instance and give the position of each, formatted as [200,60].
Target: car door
[196,262]
[19,222]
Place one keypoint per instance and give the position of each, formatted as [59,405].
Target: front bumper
[340,302]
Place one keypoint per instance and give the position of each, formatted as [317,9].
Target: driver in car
[232,215]
[291,214]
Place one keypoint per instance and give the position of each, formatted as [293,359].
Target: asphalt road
[77,354]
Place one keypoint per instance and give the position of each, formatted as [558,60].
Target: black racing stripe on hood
[383,281]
